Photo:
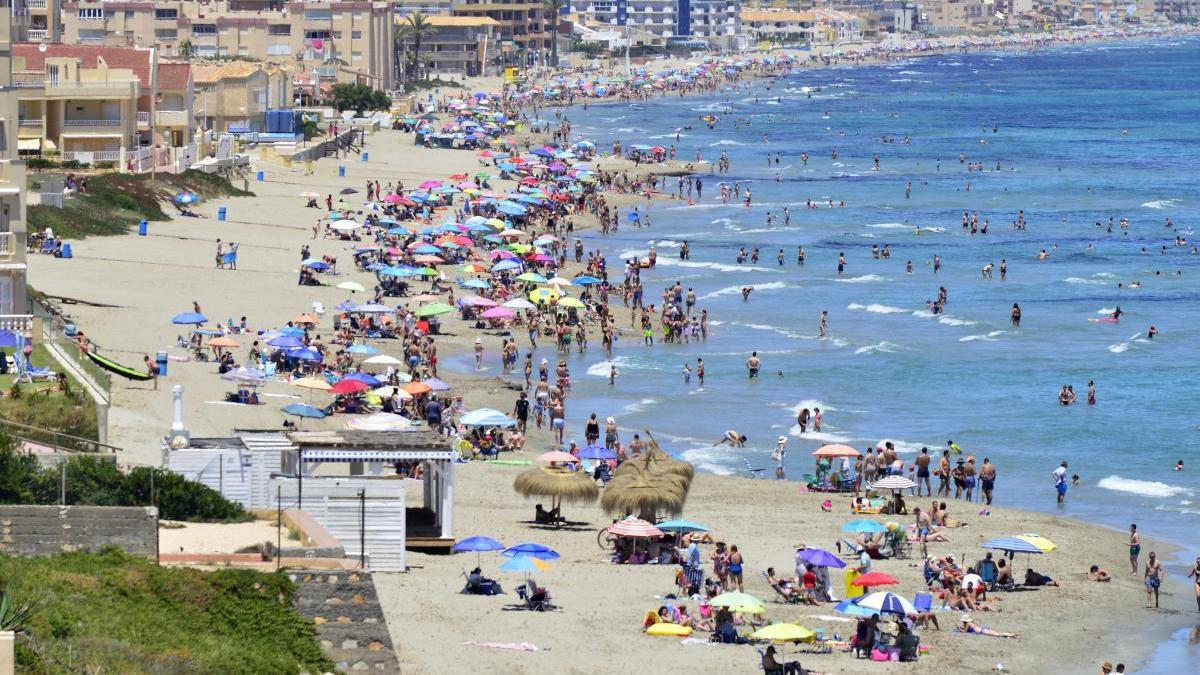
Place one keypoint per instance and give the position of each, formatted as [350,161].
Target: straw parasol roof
[644,493]
[558,483]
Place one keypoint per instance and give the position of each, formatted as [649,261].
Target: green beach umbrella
[433,309]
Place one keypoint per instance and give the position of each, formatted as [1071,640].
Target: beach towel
[517,646]
[852,591]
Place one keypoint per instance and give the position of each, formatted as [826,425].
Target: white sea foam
[720,267]
[885,347]
[1145,488]
[951,321]
[911,72]
[988,337]
[665,243]
[638,406]
[1161,204]
[734,290]
[710,460]
[774,329]
[819,436]
[1090,282]
[875,308]
[1124,346]
[889,226]
[864,279]
[1106,311]
[724,141]
[601,368]
[810,403]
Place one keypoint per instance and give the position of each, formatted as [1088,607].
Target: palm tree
[415,27]
[553,7]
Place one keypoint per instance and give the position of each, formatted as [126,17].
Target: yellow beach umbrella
[784,632]
[570,303]
[1039,541]
[311,383]
[539,295]
[738,602]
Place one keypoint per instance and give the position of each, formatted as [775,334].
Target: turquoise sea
[1053,120]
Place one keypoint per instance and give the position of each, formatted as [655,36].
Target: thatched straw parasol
[644,493]
[558,483]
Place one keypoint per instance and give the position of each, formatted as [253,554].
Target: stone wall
[46,530]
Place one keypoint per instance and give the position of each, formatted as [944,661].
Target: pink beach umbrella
[634,527]
[498,313]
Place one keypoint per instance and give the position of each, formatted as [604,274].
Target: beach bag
[878,655]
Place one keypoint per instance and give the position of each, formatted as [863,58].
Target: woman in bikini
[1196,573]
[968,626]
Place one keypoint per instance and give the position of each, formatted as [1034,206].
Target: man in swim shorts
[922,462]
[987,477]
[1060,481]
[753,364]
[1135,548]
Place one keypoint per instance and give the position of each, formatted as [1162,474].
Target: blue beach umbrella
[506,265]
[285,342]
[477,544]
[1011,545]
[680,526]
[189,318]
[886,603]
[362,349]
[852,608]
[292,331]
[818,556]
[532,550]
[523,563]
[304,410]
[366,378]
[867,526]
[585,281]
[597,452]
[318,265]
[487,417]
[476,283]
[304,354]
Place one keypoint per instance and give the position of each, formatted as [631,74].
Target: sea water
[1081,134]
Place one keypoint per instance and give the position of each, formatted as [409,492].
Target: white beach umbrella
[893,483]
[383,360]
[346,225]
[519,303]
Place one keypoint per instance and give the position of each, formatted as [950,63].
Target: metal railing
[91,123]
[35,4]
[143,117]
[8,244]
[90,156]
[30,121]
[37,34]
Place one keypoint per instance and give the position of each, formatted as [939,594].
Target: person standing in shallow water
[1015,316]
[1135,548]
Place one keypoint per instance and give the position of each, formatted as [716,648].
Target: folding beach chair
[753,471]
[923,602]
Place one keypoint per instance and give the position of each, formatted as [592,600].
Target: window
[166,14]
[356,35]
[316,35]
[165,34]
[279,50]
[91,14]
[204,29]
[318,14]
[279,29]
[337,35]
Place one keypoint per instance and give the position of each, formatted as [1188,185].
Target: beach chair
[988,572]
[47,247]
[762,660]
[923,602]
[783,595]
[753,470]
[537,600]
[33,374]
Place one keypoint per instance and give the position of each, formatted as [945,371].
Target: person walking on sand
[1135,548]
[1060,481]
[151,370]
[478,354]
[1195,572]
[1153,578]
[736,563]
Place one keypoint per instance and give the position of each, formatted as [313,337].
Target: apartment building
[329,37]
[524,29]
[459,45]
[234,97]
[783,26]
[14,310]
[36,20]
[656,22]
[94,103]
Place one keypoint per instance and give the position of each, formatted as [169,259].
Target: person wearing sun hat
[778,455]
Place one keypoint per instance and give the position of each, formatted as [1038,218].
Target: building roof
[442,21]
[214,73]
[174,75]
[137,59]
[786,16]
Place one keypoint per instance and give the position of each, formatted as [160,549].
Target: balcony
[173,118]
[36,4]
[9,246]
[37,34]
[92,123]
[30,122]
[21,324]
[143,119]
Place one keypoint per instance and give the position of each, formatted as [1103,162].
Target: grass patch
[108,612]
[115,202]
[66,408]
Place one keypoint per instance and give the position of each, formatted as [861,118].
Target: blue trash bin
[366,155]
[160,359]
[142,227]
[221,213]
[66,251]
[341,170]
[260,176]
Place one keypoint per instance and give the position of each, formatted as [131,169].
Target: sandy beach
[137,283]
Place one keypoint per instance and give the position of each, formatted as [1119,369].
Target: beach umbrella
[487,417]
[383,360]
[374,308]
[291,331]
[417,388]
[352,286]
[311,383]
[526,564]
[362,349]
[498,313]
[835,451]
[1039,541]
[681,526]
[348,191]
[852,608]
[531,550]
[348,386]
[544,295]
[557,457]
[558,484]
[505,265]
[478,544]
[479,284]
[519,303]
[634,527]
[738,602]
[304,354]
[571,303]
[225,342]
[305,318]
[345,225]
[532,277]
[314,264]
[189,318]
[784,632]
[585,281]
[1012,545]
[285,342]
[309,194]
[305,411]
[479,301]
[893,483]
[867,526]
[886,603]
[644,491]
[598,452]
[819,557]
[433,309]
[366,378]
[875,579]
[436,384]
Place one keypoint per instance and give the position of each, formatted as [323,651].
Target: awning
[92,134]
[29,144]
[374,455]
